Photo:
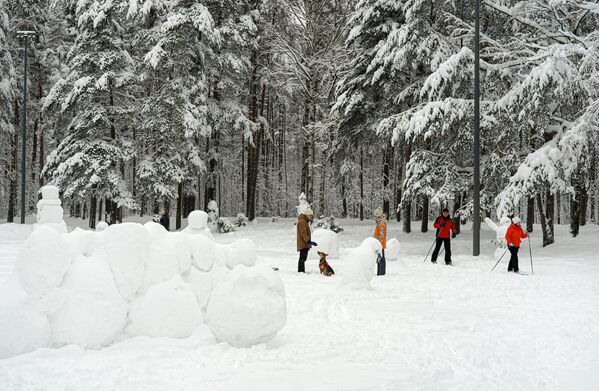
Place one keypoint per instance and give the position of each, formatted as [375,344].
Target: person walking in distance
[444,225]
[304,238]
[165,219]
[513,237]
[380,233]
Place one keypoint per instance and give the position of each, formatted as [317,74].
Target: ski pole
[429,250]
[500,258]
[532,270]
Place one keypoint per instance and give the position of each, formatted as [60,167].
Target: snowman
[49,210]
[500,230]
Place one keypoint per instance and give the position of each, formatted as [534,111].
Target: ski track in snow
[422,327]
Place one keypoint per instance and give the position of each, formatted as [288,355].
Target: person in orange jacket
[443,224]
[380,233]
[513,237]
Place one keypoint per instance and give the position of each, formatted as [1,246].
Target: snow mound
[392,250]
[168,309]
[203,252]
[360,265]
[79,242]
[22,329]
[101,226]
[197,224]
[327,241]
[13,231]
[94,313]
[162,262]
[42,261]
[247,306]
[127,248]
[202,284]
[241,252]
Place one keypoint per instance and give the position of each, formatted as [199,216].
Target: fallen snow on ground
[420,327]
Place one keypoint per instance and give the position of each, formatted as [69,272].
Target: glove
[453,235]
[529,230]
[510,245]
[312,244]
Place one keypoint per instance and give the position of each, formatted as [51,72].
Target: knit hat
[308,212]
[445,210]
[516,219]
[378,212]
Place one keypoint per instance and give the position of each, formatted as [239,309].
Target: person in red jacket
[444,225]
[513,237]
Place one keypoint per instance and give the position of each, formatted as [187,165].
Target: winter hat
[516,219]
[308,212]
[378,212]
[445,210]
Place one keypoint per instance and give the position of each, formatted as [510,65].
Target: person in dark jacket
[304,238]
[165,219]
[513,238]
[444,225]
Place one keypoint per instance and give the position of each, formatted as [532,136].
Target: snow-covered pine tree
[556,93]
[89,160]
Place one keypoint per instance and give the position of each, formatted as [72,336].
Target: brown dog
[324,266]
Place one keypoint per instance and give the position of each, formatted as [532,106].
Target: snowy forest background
[138,104]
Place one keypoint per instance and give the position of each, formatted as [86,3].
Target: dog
[324,266]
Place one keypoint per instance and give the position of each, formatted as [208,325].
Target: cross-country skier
[380,233]
[513,237]
[443,224]
[304,238]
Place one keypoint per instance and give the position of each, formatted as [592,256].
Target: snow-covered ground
[422,327]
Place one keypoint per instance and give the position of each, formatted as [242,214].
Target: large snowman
[49,210]
[500,230]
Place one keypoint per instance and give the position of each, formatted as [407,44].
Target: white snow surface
[420,327]
[247,306]
[168,309]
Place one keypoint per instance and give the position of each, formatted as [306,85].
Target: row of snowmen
[94,288]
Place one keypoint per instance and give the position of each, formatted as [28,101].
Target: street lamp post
[25,35]
[476,197]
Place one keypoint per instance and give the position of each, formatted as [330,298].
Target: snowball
[392,250]
[327,242]
[94,313]
[101,226]
[197,223]
[241,252]
[22,330]
[50,192]
[247,306]
[42,261]
[162,262]
[361,263]
[202,252]
[168,309]
[202,284]
[127,248]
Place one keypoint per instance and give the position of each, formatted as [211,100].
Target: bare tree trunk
[361,184]
[546,218]
[179,199]
[584,202]
[457,204]
[424,225]
[530,213]
[405,203]
[575,208]
[343,199]
[387,161]
[92,213]
[254,155]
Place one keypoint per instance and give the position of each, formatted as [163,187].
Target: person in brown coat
[304,238]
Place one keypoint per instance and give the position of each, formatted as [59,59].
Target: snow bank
[360,264]
[202,284]
[162,262]
[42,261]
[247,306]
[22,329]
[392,250]
[327,241]
[12,231]
[168,309]
[127,248]
[80,242]
[241,252]
[94,313]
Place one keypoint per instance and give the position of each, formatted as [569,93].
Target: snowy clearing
[421,327]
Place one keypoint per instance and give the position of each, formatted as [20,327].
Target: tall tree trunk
[546,218]
[12,192]
[92,213]
[254,155]
[558,207]
[575,208]
[361,184]
[179,200]
[100,212]
[424,225]
[584,202]
[457,204]
[406,204]
[343,199]
[530,213]
[387,161]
